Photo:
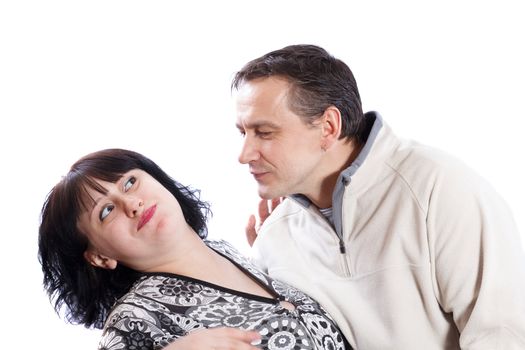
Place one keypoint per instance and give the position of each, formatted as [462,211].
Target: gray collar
[346,175]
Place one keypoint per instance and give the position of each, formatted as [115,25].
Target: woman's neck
[200,262]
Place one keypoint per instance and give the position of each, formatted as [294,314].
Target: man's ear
[331,125]
[98,260]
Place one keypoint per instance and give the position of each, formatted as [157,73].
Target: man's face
[282,151]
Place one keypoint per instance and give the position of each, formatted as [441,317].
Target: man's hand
[265,209]
[216,339]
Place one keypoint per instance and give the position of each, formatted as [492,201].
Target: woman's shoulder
[224,247]
[228,250]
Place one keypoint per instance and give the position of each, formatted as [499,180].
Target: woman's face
[135,223]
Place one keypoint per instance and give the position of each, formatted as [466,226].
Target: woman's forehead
[90,189]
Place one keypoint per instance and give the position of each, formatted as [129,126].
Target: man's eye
[105,211]
[264,134]
[129,183]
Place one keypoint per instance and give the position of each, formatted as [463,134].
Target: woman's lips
[146,216]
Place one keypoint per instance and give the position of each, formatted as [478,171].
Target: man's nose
[249,151]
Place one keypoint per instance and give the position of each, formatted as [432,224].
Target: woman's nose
[133,206]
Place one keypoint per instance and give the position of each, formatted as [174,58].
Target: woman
[123,248]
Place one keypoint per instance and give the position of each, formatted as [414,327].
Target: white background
[154,76]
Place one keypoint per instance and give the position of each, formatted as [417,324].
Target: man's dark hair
[317,81]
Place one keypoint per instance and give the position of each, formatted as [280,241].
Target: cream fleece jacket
[424,253]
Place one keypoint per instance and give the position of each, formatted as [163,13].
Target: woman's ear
[331,126]
[99,260]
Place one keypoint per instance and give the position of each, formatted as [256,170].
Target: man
[404,245]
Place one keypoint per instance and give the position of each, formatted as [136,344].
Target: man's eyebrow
[256,125]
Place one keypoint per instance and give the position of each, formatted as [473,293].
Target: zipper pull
[342,248]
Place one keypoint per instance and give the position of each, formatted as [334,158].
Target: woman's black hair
[87,293]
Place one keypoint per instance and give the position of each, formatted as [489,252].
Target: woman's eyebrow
[94,203]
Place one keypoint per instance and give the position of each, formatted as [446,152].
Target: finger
[275,202]
[264,211]
[233,338]
[251,233]
[230,344]
[246,336]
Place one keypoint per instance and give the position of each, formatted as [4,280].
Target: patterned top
[161,307]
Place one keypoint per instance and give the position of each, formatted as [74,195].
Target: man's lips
[146,216]
[259,175]
[258,172]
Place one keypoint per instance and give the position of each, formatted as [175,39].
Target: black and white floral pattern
[162,307]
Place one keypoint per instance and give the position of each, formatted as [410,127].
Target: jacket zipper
[342,247]
[344,257]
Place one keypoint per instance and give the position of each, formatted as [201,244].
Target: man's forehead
[261,107]
[262,91]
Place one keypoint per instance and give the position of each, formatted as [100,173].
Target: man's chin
[266,193]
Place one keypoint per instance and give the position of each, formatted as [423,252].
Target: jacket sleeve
[478,262]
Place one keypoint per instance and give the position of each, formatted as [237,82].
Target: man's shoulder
[289,209]
[413,159]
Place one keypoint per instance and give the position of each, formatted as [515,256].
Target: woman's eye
[105,212]
[129,183]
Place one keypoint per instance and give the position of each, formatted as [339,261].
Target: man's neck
[339,157]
